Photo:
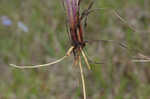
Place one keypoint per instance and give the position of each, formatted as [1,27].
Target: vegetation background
[34,32]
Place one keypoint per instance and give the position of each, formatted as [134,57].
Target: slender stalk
[86,60]
[82,77]
[124,21]
[44,65]
[37,66]
[140,61]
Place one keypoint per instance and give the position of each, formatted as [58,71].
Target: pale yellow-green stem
[86,60]
[82,78]
[44,65]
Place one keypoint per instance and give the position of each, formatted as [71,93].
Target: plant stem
[82,77]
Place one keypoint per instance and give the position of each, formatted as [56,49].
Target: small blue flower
[6,21]
[22,26]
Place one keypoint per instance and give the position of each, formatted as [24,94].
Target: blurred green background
[34,32]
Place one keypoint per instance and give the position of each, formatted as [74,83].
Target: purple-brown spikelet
[74,23]
[72,8]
